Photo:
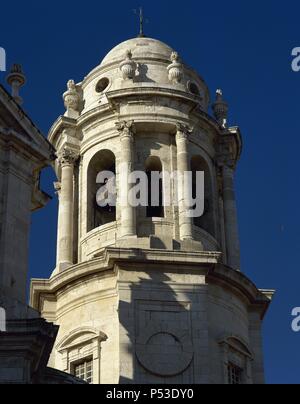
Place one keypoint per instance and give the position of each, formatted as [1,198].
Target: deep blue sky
[241,46]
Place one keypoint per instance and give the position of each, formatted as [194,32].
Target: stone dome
[149,62]
[141,48]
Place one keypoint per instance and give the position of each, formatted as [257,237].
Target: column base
[127,241]
[62,266]
[191,245]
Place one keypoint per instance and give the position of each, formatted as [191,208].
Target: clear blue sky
[241,46]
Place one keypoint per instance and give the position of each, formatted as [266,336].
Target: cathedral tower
[149,294]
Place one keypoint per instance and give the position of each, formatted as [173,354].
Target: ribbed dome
[140,48]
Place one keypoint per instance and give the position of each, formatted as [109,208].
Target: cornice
[106,262]
[26,146]
[59,125]
[150,91]
[111,110]
[229,147]
[24,121]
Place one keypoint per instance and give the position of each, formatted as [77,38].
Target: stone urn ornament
[220,109]
[175,69]
[128,67]
[72,100]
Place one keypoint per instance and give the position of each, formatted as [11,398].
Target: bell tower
[149,294]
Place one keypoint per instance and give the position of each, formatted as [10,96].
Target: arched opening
[237,358]
[100,187]
[154,173]
[194,89]
[79,356]
[206,221]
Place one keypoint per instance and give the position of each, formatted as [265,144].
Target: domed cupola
[143,109]
[147,286]
[141,65]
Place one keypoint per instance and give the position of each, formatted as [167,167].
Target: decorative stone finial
[71,100]
[175,69]
[16,79]
[220,108]
[128,67]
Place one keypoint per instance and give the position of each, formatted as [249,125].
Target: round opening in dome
[194,89]
[102,85]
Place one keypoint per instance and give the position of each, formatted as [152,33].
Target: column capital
[126,129]
[228,171]
[67,157]
[228,149]
[183,131]
[224,162]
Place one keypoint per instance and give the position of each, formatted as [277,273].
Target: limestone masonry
[148,295]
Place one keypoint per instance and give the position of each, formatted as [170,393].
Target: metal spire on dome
[142,19]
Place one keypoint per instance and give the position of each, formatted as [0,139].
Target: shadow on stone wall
[155,331]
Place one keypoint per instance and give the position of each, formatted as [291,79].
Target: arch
[97,216]
[206,221]
[154,171]
[80,336]
[82,346]
[238,344]
[237,357]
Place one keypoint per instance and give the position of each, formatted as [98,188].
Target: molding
[149,91]
[22,120]
[246,351]
[68,341]
[28,146]
[107,261]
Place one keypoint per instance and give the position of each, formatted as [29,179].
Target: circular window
[102,85]
[194,89]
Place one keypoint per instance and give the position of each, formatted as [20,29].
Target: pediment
[15,122]
[238,344]
[79,337]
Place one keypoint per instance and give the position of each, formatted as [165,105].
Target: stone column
[221,215]
[128,212]
[57,187]
[184,187]
[231,220]
[67,161]
[255,334]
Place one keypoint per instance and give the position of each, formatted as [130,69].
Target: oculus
[102,85]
